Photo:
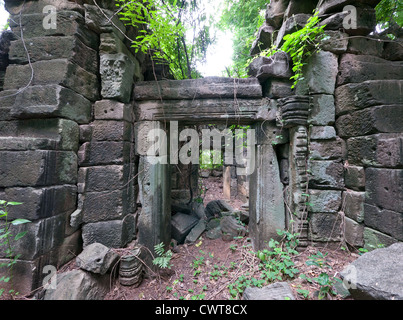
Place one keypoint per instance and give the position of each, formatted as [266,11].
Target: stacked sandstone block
[66,133]
[355,122]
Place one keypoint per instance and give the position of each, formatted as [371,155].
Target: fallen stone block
[182,224]
[216,207]
[79,285]
[376,275]
[196,232]
[97,258]
[231,228]
[275,291]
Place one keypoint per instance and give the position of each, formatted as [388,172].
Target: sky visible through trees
[232,25]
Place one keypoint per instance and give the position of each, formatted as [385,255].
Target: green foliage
[237,288]
[323,281]
[326,285]
[389,13]
[163,260]
[7,238]
[163,32]
[318,260]
[302,44]
[243,18]
[276,264]
[211,159]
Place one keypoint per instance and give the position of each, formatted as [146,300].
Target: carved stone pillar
[294,114]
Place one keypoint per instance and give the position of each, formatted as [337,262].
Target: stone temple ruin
[73,111]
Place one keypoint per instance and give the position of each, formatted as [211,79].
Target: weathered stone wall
[72,133]
[66,132]
[354,130]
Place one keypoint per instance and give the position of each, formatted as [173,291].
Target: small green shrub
[163,260]
[6,239]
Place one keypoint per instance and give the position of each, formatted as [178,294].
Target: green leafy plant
[326,285]
[389,14]
[6,240]
[302,44]
[276,264]
[237,288]
[318,259]
[163,32]
[304,293]
[163,260]
[243,18]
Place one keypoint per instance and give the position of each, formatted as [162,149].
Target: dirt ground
[203,271]
[214,191]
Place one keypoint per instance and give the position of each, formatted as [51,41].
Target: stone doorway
[220,101]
